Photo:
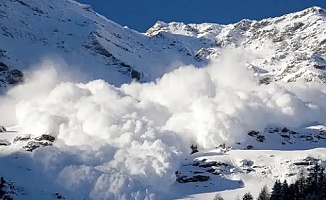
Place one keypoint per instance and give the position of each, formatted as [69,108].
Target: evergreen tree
[306,187]
[291,192]
[277,191]
[320,187]
[285,191]
[300,185]
[264,194]
[312,197]
[312,181]
[247,196]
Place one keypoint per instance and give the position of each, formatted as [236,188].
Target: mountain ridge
[106,50]
[267,33]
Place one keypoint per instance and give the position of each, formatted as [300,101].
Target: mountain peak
[315,10]
[295,41]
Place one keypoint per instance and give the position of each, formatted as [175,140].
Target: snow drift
[126,142]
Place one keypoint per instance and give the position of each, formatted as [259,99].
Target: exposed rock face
[8,76]
[4,142]
[196,178]
[203,170]
[22,138]
[135,75]
[49,138]
[284,137]
[31,143]
[2,129]
[7,189]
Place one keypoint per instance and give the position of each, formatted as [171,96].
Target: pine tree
[264,194]
[301,185]
[306,187]
[247,196]
[321,183]
[312,181]
[291,194]
[277,191]
[312,197]
[285,191]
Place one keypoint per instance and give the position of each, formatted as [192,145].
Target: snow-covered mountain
[293,45]
[285,48]
[250,96]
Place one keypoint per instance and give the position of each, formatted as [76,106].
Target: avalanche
[127,142]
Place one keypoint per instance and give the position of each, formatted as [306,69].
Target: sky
[142,14]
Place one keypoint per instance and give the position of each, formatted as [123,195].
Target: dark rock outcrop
[3,129]
[32,143]
[135,75]
[9,76]
[7,189]
[46,137]
[4,142]
[196,178]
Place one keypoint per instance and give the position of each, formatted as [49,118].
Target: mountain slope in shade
[285,48]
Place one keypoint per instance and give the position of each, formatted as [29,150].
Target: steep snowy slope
[285,48]
[35,30]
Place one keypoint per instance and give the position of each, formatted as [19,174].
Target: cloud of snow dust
[126,142]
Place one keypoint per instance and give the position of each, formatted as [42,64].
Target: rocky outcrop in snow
[30,143]
[9,76]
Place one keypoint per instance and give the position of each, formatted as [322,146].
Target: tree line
[309,185]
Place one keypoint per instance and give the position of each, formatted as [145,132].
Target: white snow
[122,140]
[127,142]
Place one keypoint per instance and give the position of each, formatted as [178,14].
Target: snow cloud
[126,142]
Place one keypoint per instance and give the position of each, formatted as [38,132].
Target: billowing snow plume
[126,143]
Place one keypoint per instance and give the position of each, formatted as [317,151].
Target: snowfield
[248,95]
